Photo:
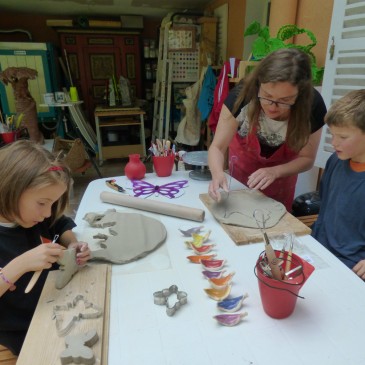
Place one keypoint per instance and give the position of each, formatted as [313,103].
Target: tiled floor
[110,168]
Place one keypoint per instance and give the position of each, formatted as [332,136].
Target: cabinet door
[345,61]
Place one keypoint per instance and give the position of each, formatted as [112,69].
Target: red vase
[135,169]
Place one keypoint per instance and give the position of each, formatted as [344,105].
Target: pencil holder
[163,165]
[8,137]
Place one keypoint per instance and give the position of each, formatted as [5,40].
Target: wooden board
[43,345]
[244,235]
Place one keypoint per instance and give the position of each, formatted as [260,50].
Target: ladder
[161,110]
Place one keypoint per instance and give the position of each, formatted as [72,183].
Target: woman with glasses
[271,122]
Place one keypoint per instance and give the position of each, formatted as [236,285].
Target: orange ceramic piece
[219,294]
[219,283]
[196,259]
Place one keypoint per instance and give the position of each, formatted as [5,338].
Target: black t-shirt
[17,307]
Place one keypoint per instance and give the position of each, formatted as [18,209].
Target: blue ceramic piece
[231,304]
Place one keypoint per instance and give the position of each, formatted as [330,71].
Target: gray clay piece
[131,236]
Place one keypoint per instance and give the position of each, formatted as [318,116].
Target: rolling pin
[154,206]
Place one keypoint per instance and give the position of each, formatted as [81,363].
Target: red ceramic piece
[135,169]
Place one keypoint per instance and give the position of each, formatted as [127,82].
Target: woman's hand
[262,178]
[359,269]
[83,253]
[217,182]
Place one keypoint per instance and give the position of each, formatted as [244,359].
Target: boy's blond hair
[348,111]
[24,165]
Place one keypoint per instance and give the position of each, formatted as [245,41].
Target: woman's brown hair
[284,65]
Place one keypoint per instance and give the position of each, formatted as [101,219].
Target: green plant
[264,44]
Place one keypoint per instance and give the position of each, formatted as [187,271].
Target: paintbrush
[37,274]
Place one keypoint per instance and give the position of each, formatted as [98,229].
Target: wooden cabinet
[120,132]
[96,57]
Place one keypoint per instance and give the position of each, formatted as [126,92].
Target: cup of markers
[9,129]
[163,157]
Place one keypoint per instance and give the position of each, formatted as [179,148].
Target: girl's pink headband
[55,168]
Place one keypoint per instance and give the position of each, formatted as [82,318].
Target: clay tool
[290,252]
[273,261]
[37,274]
[232,161]
[113,185]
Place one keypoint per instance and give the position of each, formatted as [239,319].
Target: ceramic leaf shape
[221,281]
[196,259]
[204,249]
[212,265]
[212,274]
[232,304]
[218,294]
[230,319]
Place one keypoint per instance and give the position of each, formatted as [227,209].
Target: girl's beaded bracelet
[6,280]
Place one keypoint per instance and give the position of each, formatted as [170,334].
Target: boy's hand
[359,269]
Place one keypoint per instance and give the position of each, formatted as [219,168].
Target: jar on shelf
[152,48]
[148,71]
[146,48]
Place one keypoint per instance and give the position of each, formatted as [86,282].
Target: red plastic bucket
[279,297]
[8,137]
[163,165]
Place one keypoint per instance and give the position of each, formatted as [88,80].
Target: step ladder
[162,104]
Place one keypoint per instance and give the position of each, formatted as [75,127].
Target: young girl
[34,188]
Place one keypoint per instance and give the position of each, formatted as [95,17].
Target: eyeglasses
[278,104]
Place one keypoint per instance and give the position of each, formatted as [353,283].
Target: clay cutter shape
[162,298]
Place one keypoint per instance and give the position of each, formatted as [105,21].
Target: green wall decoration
[264,44]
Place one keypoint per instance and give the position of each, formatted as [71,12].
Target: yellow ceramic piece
[219,294]
[198,239]
[220,283]
[197,258]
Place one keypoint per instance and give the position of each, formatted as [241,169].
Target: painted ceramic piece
[202,249]
[188,232]
[219,294]
[196,259]
[212,265]
[198,239]
[232,304]
[212,274]
[230,319]
[222,281]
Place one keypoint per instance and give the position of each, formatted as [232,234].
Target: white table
[327,327]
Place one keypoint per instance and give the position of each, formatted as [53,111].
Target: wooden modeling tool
[37,274]
[113,185]
[273,261]
[290,252]
[232,161]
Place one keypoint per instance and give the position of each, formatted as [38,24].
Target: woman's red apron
[248,151]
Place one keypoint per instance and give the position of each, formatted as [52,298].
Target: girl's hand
[217,183]
[83,253]
[42,256]
[261,178]
[359,269]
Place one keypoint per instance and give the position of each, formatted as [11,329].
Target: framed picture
[102,66]
[181,39]
[131,69]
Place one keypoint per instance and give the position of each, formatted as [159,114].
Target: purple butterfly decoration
[170,190]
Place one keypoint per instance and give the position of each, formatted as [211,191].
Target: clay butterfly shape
[169,190]
[67,315]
